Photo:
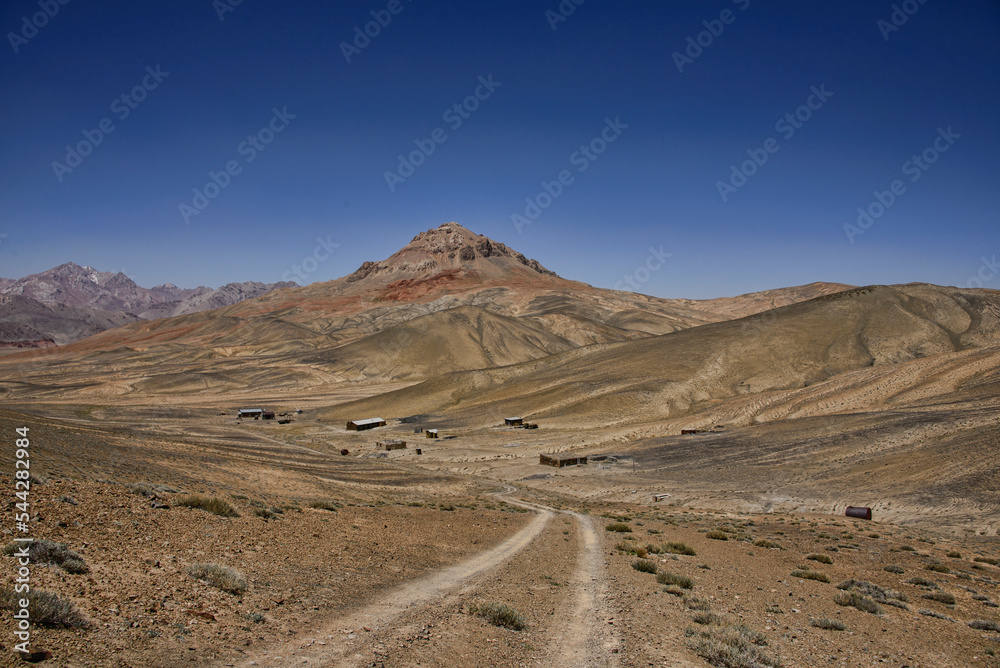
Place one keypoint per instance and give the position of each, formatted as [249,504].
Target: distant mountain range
[70,302]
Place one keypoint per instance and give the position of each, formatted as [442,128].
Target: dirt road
[396,630]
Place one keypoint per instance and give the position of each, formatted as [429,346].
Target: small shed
[560,461]
[367,423]
[254,413]
[513,421]
[391,444]
[267,415]
[431,433]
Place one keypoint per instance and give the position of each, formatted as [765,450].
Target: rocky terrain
[70,302]
[179,534]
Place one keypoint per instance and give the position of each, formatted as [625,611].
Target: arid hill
[673,375]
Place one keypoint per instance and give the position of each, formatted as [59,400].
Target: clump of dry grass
[768,544]
[41,551]
[821,558]
[940,596]
[644,566]
[857,600]
[716,534]
[879,594]
[209,504]
[499,614]
[682,581]
[827,623]
[809,574]
[893,568]
[733,647]
[221,577]
[45,608]
[618,527]
[984,625]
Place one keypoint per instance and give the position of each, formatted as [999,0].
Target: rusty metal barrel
[861,512]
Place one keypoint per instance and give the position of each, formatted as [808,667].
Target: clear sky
[667,123]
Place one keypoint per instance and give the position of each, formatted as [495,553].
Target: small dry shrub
[45,608]
[221,577]
[856,599]
[821,558]
[936,615]
[618,527]
[893,568]
[682,581]
[809,574]
[644,565]
[212,505]
[922,582]
[827,623]
[499,614]
[733,647]
[768,544]
[41,551]
[984,625]
[716,534]
[940,596]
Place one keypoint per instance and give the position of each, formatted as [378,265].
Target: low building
[267,415]
[513,421]
[431,433]
[560,461]
[254,413]
[367,423]
[391,444]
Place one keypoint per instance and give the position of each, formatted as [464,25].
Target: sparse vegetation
[879,594]
[768,544]
[936,615]
[323,504]
[821,558]
[45,608]
[922,582]
[937,568]
[682,581]
[221,577]
[644,566]
[987,560]
[733,647]
[856,599]
[954,555]
[984,625]
[671,548]
[619,527]
[906,548]
[695,603]
[499,614]
[940,596]
[809,574]
[827,623]
[893,568]
[705,618]
[42,551]
[213,505]
[717,534]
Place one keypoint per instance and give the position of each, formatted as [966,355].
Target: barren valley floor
[398,559]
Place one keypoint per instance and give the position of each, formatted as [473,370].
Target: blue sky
[209,85]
